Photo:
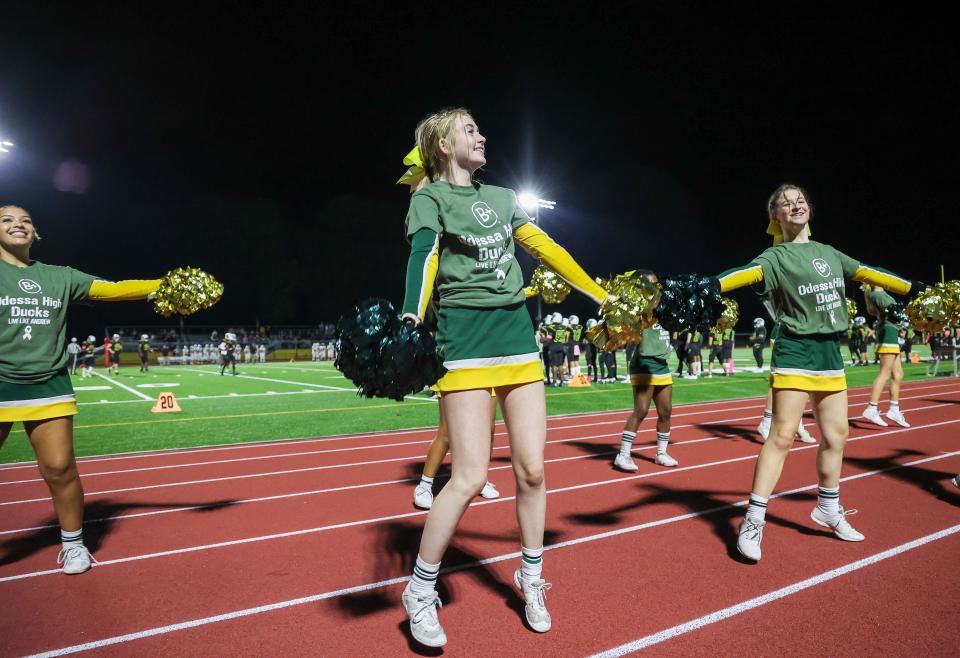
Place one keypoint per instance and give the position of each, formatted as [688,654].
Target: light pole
[532,202]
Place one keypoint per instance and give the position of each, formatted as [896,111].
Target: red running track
[301,547]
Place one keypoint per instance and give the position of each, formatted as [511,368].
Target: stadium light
[5,145]
[532,203]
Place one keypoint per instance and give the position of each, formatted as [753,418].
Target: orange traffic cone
[578,380]
[166,402]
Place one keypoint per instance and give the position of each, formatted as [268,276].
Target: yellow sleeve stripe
[885,280]
[540,245]
[430,267]
[123,291]
[740,277]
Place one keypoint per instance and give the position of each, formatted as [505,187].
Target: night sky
[261,141]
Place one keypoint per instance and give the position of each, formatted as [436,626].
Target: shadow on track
[398,542]
[722,518]
[99,522]
[934,481]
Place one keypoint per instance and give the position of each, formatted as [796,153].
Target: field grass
[295,400]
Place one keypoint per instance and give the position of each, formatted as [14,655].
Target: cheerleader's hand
[605,306]
[411,319]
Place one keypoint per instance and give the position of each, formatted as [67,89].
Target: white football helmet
[91,339]
[574,319]
[758,322]
[144,337]
[591,323]
[116,336]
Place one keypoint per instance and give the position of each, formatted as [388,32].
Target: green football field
[296,400]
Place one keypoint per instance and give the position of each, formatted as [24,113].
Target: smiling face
[791,211]
[16,228]
[465,146]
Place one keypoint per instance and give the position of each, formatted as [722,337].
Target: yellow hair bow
[773,228]
[416,172]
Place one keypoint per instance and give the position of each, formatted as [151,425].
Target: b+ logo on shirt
[486,215]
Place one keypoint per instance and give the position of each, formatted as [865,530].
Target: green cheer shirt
[807,283]
[655,343]
[475,225]
[33,319]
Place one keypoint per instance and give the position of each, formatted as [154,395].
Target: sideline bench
[942,353]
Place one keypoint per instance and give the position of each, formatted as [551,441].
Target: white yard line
[123,386]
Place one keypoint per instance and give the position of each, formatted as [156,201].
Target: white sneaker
[75,559]
[750,536]
[665,460]
[804,435]
[535,594]
[625,463]
[873,415]
[489,491]
[764,428]
[896,416]
[424,623]
[423,497]
[839,524]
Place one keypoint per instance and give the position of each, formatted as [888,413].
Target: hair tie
[416,172]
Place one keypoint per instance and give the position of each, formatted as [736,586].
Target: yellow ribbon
[773,228]
[416,172]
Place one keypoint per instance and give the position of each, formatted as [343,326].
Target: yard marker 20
[166,402]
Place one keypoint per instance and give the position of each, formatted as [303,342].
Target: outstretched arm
[540,245]
[882,278]
[738,277]
[123,291]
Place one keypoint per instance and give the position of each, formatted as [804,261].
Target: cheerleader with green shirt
[652,380]
[462,237]
[888,350]
[806,283]
[35,387]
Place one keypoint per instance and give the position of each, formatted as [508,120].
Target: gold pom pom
[549,285]
[851,310]
[731,314]
[185,291]
[625,319]
[936,307]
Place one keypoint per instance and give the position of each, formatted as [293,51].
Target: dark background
[261,141]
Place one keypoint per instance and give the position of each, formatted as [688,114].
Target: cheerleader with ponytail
[463,236]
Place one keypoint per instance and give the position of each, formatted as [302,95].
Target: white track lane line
[313,492]
[309,469]
[123,386]
[362,435]
[427,441]
[390,445]
[406,443]
[505,499]
[770,597]
[247,612]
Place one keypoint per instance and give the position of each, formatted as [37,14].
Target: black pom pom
[689,301]
[384,356]
[895,313]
